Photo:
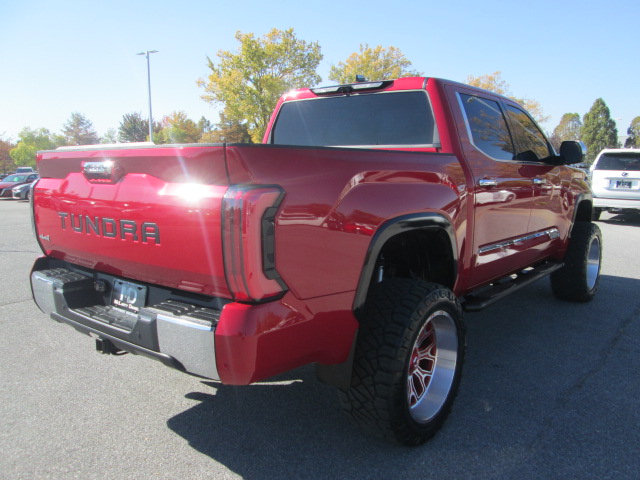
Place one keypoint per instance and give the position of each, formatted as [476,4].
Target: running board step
[486,296]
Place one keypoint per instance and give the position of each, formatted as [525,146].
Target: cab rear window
[368,120]
[619,161]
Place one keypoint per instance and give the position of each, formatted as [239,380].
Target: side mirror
[572,152]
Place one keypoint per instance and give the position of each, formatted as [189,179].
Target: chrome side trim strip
[552,233]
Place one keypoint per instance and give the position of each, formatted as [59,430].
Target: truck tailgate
[148,214]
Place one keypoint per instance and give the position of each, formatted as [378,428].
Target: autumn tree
[598,130]
[178,128]
[633,140]
[227,131]
[134,128]
[377,63]
[78,130]
[568,129]
[29,142]
[494,83]
[249,81]
[6,162]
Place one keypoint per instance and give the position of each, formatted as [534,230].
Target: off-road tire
[578,279]
[391,394]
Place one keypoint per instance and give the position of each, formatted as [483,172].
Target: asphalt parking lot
[550,390]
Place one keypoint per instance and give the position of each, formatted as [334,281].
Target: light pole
[146,54]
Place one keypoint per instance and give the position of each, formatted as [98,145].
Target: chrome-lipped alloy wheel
[408,359]
[593,262]
[432,366]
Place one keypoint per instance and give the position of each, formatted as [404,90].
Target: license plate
[623,184]
[128,296]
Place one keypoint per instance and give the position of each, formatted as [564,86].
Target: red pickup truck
[353,238]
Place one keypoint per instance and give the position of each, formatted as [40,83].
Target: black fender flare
[580,198]
[391,228]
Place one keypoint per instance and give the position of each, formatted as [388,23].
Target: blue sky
[64,56]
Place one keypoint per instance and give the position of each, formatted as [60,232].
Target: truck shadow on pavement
[539,376]
[629,219]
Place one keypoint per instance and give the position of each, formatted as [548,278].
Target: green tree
[494,83]
[598,130]
[568,129]
[204,125]
[178,128]
[249,82]
[633,141]
[374,63]
[227,131]
[79,131]
[111,136]
[29,142]
[6,162]
[134,128]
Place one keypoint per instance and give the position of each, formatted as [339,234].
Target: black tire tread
[375,400]
[569,283]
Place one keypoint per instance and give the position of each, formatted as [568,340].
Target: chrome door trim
[552,233]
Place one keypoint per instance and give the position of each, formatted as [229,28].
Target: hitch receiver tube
[107,347]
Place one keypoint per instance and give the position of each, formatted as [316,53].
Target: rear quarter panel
[335,200]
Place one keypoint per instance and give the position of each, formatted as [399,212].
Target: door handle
[488,182]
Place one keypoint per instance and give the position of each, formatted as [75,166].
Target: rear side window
[531,145]
[487,126]
[619,161]
[383,119]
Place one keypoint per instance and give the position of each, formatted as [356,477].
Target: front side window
[383,119]
[531,145]
[487,126]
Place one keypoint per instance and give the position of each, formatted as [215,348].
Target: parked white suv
[615,181]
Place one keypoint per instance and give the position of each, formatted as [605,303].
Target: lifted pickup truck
[353,238]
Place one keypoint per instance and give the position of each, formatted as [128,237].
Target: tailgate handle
[106,171]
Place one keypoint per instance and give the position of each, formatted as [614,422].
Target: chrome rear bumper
[179,334]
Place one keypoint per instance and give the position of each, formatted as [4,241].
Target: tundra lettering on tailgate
[111,228]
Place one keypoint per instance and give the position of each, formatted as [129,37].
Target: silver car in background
[615,181]
[22,192]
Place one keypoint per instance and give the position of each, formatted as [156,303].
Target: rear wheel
[579,278]
[408,361]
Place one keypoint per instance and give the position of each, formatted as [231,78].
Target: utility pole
[146,54]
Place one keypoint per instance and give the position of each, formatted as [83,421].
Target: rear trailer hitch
[107,347]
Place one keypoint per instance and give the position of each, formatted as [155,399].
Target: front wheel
[579,278]
[408,361]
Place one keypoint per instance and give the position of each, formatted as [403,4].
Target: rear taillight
[248,242]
